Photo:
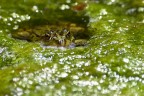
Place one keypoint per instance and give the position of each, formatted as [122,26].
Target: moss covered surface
[111,65]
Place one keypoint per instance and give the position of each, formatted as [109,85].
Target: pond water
[112,64]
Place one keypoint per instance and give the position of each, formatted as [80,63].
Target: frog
[61,35]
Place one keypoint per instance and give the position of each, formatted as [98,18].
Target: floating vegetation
[111,65]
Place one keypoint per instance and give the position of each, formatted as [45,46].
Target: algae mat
[111,65]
